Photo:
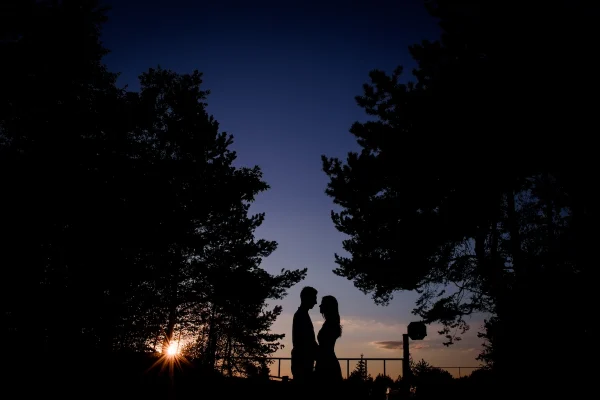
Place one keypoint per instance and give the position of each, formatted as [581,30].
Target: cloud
[362,326]
[397,345]
[389,344]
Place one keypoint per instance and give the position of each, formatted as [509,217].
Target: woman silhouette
[327,367]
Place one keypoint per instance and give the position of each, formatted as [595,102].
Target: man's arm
[314,346]
[296,333]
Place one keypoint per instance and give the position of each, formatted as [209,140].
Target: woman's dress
[327,366]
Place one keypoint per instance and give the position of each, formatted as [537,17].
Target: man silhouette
[304,344]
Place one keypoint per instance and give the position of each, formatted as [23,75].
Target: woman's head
[329,310]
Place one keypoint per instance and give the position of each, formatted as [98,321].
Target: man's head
[308,297]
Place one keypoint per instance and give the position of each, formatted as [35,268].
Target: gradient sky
[283,76]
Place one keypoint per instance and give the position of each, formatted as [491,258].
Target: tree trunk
[515,237]
[172,313]
[513,317]
[170,329]
[229,356]
[211,345]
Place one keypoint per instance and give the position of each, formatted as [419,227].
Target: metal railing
[347,359]
[366,360]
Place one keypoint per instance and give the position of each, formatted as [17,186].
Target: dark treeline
[125,223]
[475,183]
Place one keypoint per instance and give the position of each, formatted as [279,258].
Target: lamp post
[415,331]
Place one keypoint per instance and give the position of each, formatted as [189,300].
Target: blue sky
[283,76]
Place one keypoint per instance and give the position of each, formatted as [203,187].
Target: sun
[172,349]
[171,358]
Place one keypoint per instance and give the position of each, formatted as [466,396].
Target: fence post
[406,373]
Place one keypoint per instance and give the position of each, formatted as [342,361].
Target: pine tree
[360,373]
[194,231]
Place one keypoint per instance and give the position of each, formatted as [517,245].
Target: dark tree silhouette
[125,222]
[473,225]
[430,382]
[55,135]
[422,370]
[487,354]
[203,267]
[381,385]
[360,373]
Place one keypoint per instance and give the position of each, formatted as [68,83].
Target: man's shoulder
[300,313]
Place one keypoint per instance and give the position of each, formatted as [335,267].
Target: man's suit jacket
[303,337]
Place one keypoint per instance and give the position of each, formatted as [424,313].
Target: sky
[283,76]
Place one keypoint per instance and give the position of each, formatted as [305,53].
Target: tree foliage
[127,223]
[457,196]
[360,373]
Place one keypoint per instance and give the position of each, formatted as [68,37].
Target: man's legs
[298,374]
[303,378]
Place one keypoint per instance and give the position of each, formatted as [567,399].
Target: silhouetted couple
[314,362]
